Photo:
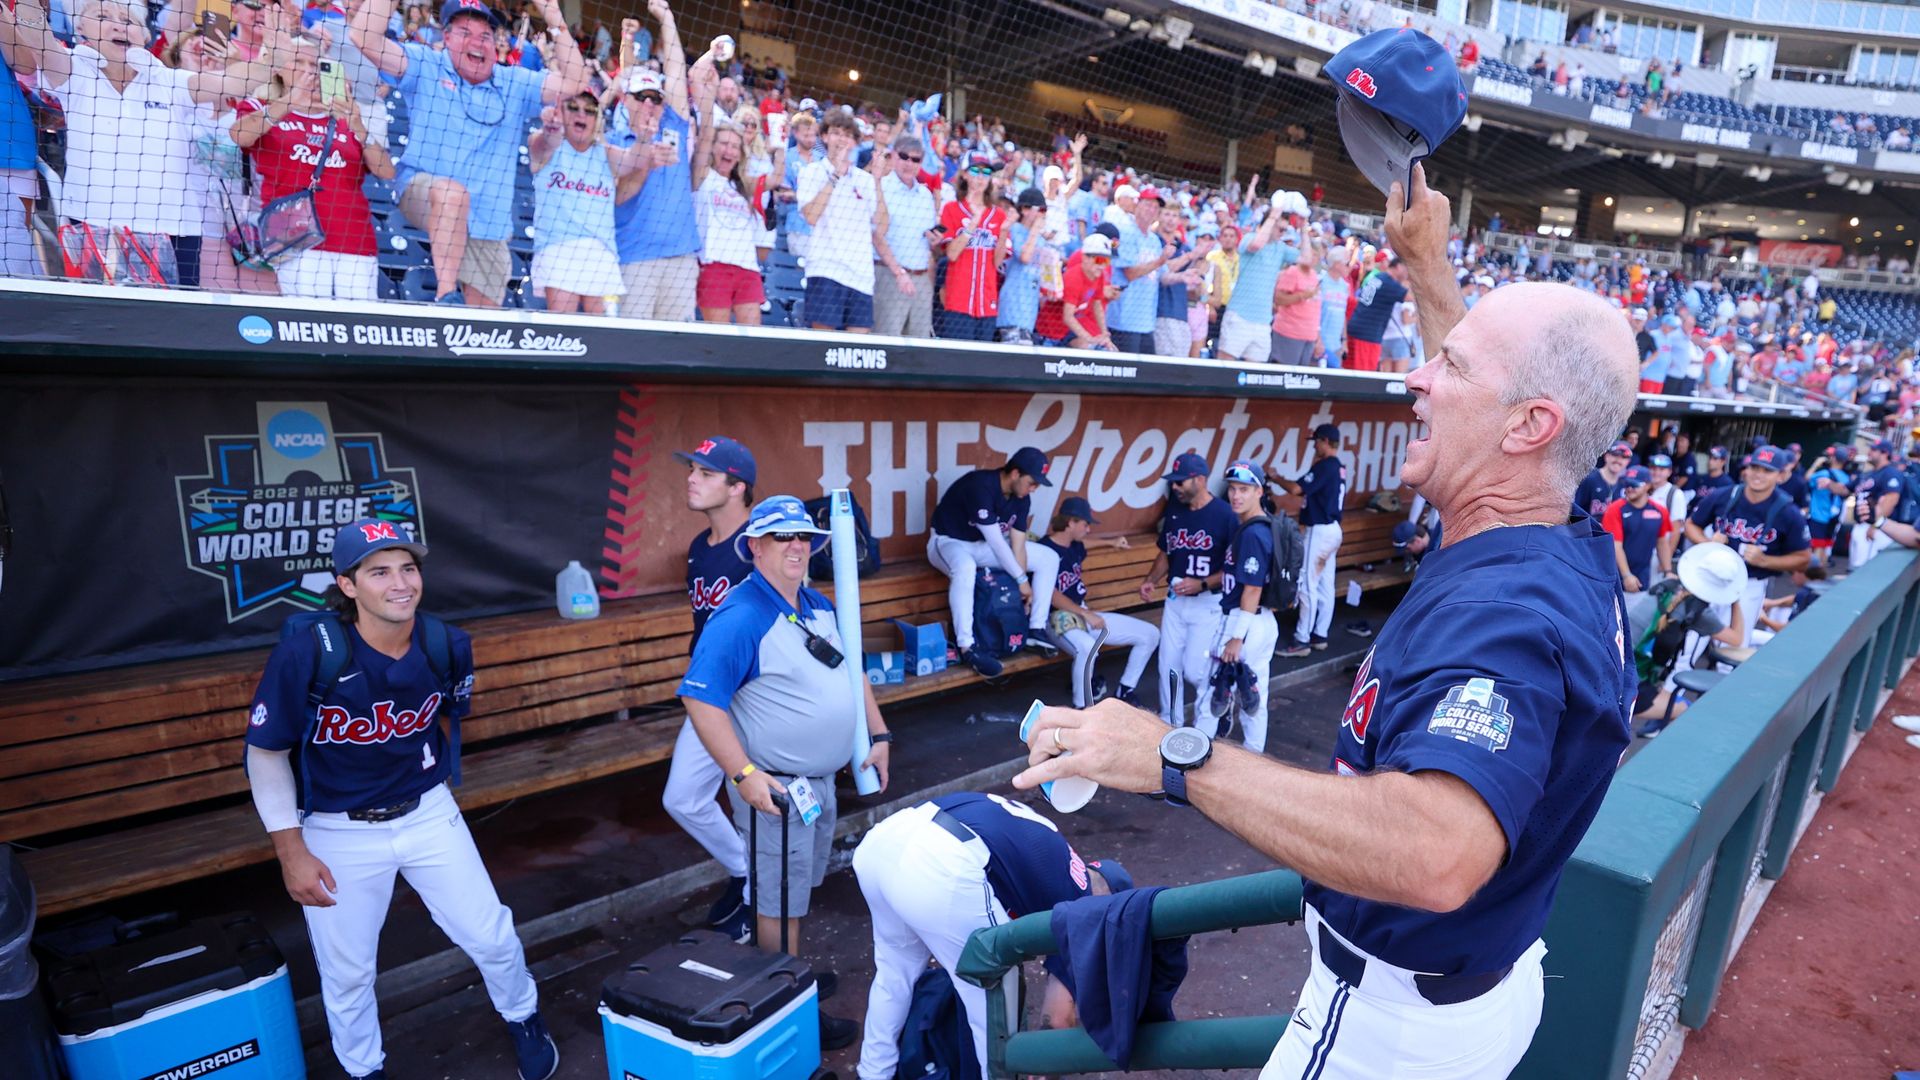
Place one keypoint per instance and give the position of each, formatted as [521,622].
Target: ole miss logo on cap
[1361,82]
[706,447]
[379,530]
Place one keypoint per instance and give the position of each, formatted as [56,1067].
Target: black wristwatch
[883,737]
[1182,750]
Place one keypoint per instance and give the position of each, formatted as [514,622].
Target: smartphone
[216,25]
[670,137]
[333,84]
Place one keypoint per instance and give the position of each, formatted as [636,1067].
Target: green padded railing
[1227,1043]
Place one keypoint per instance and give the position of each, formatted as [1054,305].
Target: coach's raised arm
[1482,729]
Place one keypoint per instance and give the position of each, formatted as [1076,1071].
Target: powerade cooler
[708,1008]
[210,999]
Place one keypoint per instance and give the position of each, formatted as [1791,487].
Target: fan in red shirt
[1083,293]
[976,231]
[284,137]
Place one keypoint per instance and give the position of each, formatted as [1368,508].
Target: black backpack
[936,1043]
[336,652]
[999,616]
[1282,589]
[820,567]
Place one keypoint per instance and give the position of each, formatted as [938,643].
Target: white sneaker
[1907,723]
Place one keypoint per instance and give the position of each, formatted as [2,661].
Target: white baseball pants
[1316,590]
[1256,651]
[1189,626]
[1384,1030]
[1750,602]
[1139,636]
[692,782]
[1861,547]
[433,850]
[927,893]
[961,561]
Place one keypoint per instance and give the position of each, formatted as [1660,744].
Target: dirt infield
[1827,983]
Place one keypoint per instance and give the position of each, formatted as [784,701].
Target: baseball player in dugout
[1483,728]
[766,692]
[1323,492]
[981,521]
[1193,539]
[720,476]
[352,740]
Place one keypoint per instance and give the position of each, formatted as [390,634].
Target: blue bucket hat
[778,514]
[1400,97]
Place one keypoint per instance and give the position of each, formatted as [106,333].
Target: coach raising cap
[1400,97]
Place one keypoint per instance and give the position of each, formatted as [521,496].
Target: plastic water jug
[574,594]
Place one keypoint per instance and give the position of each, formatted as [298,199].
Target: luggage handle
[781,804]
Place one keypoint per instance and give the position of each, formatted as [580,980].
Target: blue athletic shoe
[533,1048]
[454,297]
[987,666]
[740,926]
[1220,688]
[732,898]
[1246,689]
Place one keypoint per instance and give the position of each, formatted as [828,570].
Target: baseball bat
[846,614]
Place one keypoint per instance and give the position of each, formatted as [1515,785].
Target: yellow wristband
[741,776]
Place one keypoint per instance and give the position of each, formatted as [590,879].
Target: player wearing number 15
[352,739]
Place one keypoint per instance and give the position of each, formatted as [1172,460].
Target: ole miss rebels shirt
[1030,866]
[1638,529]
[975,500]
[377,739]
[1324,487]
[1071,583]
[1196,540]
[284,158]
[973,279]
[1249,561]
[1506,666]
[1774,523]
[712,571]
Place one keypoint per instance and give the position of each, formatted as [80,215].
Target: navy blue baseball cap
[1718,453]
[1117,877]
[1636,477]
[1076,507]
[1246,472]
[722,455]
[1885,446]
[778,514]
[1032,462]
[1187,466]
[1329,432]
[1400,97]
[1622,448]
[1774,458]
[352,543]
[1403,533]
[1660,461]
[453,8]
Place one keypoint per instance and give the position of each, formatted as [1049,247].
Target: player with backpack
[1078,629]
[353,738]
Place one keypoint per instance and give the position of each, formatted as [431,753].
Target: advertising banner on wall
[170,519]
[1808,253]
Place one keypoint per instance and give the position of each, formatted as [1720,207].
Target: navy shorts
[1823,530]
[836,307]
[1129,341]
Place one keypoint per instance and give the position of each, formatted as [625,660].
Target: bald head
[1569,347]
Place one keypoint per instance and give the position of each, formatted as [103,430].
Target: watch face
[1184,746]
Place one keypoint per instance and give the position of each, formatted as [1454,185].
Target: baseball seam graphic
[621,565]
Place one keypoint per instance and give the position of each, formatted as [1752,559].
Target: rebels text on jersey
[975,500]
[1196,540]
[1506,666]
[377,739]
[713,570]
[1249,558]
[1773,523]
[1071,583]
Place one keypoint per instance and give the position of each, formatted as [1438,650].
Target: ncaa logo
[255,330]
[296,433]
[1361,82]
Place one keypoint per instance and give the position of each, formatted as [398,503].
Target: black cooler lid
[124,982]
[706,987]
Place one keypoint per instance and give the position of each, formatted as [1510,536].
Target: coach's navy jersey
[1324,486]
[1196,540]
[712,571]
[378,740]
[1706,482]
[1249,560]
[1505,665]
[1774,523]
[975,500]
[1875,486]
[1030,866]
[1594,493]
[1073,557]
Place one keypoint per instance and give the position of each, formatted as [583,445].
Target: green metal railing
[1650,908]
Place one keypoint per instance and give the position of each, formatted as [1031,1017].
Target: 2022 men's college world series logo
[261,519]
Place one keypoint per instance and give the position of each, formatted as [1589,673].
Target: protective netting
[1667,981]
[1769,821]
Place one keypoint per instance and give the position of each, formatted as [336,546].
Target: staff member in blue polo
[470,118]
[767,696]
[1324,489]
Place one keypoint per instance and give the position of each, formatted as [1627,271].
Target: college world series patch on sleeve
[1473,713]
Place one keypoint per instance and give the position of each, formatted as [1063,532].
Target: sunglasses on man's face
[980,170]
[788,538]
[649,97]
[915,158]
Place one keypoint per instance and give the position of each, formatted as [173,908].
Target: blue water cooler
[211,998]
[708,1008]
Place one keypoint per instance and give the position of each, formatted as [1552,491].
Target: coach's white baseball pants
[693,781]
[927,892]
[1256,651]
[1139,636]
[1316,590]
[1189,626]
[433,850]
[1861,547]
[1384,1030]
[961,561]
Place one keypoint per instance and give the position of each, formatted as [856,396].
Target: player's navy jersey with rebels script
[1073,557]
[1872,488]
[1030,866]
[1196,540]
[975,500]
[1249,560]
[1505,665]
[1774,523]
[1595,492]
[1324,487]
[712,571]
[378,739]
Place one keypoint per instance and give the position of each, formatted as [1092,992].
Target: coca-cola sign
[1808,253]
